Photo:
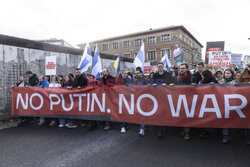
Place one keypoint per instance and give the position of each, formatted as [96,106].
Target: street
[43,146]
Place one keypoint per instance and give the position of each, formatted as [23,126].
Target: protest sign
[236,59]
[220,58]
[50,65]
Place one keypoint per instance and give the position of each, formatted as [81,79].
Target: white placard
[220,58]
[236,59]
[246,60]
[50,65]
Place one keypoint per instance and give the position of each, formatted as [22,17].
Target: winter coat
[166,78]
[245,77]
[33,81]
[80,80]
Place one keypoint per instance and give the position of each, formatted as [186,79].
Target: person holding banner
[109,80]
[67,83]
[207,78]
[33,80]
[196,78]
[184,78]
[140,80]
[54,84]
[245,79]
[228,79]
[163,78]
[245,75]
[79,82]
[42,83]
[125,81]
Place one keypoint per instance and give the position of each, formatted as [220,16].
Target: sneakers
[187,136]
[225,139]
[106,128]
[72,126]
[141,133]
[52,123]
[41,123]
[61,126]
[123,130]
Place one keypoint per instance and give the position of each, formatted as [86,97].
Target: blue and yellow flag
[117,64]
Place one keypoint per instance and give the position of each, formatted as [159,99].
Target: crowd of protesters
[176,76]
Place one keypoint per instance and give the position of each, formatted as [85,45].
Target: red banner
[184,106]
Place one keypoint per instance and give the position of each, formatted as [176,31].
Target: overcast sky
[79,21]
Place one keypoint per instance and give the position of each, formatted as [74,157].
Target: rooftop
[151,31]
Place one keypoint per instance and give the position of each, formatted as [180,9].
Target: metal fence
[19,55]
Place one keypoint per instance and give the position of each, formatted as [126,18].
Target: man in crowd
[33,79]
[196,78]
[140,80]
[184,77]
[79,82]
[107,79]
[163,78]
[125,80]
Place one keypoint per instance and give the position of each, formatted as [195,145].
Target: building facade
[157,42]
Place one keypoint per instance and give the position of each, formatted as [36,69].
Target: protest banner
[50,65]
[236,59]
[213,46]
[184,106]
[220,58]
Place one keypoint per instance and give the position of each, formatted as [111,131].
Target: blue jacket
[43,84]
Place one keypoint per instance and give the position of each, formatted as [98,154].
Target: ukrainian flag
[117,64]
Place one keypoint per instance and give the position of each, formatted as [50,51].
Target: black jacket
[196,78]
[81,81]
[108,80]
[33,81]
[166,78]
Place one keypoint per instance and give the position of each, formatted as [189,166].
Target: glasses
[160,66]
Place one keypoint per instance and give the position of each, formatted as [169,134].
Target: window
[126,55]
[168,51]
[126,44]
[151,40]
[151,55]
[165,38]
[115,45]
[105,47]
[138,42]
[173,36]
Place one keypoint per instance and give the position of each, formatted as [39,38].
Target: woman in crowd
[237,76]
[42,82]
[21,81]
[218,75]
[228,79]
[54,84]
[67,83]
[207,78]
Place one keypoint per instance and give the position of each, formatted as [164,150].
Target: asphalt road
[33,146]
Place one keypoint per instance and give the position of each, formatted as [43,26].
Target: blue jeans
[107,123]
[63,121]
[225,132]
[142,126]
[123,125]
